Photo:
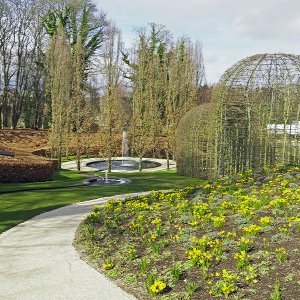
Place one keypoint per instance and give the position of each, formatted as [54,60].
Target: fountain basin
[99,180]
[86,164]
[123,165]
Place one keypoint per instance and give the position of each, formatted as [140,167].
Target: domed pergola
[193,141]
[255,114]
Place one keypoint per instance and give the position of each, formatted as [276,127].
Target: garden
[235,237]
[231,230]
[81,113]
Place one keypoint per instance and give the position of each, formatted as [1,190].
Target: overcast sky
[228,29]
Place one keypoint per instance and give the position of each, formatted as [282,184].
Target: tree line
[63,66]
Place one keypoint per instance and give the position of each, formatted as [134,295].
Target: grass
[60,178]
[21,206]
[236,237]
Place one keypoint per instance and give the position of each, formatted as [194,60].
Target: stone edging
[71,165]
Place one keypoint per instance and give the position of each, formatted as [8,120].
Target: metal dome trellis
[256,114]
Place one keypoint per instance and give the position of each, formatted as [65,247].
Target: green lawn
[21,206]
[60,178]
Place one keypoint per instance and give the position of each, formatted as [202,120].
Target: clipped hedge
[26,169]
[27,165]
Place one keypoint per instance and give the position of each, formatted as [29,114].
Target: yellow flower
[245,244]
[230,234]
[193,223]
[176,237]
[108,266]
[156,221]
[281,254]
[266,221]
[158,286]
[153,236]
[218,221]
[252,229]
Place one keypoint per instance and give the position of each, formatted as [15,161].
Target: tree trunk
[109,164]
[78,161]
[168,160]
[59,157]
[15,119]
[140,163]
[5,114]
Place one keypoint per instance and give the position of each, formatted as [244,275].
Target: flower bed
[237,237]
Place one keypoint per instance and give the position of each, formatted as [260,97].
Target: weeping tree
[145,124]
[112,110]
[166,78]
[83,29]
[184,77]
[71,109]
[59,86]
[79,106]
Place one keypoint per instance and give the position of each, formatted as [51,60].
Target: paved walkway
[38,261]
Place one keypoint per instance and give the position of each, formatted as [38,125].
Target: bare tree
[23,63]
[22,76]
[7,43]
[35,115]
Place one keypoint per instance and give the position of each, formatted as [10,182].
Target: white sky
[228,29]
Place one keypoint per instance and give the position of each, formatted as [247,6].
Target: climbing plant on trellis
[193,144]
[253,120]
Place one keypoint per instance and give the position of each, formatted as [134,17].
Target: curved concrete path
[38,260]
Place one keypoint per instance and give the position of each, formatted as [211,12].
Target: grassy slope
[21,206]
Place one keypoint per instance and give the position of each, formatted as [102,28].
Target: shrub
[26,169]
